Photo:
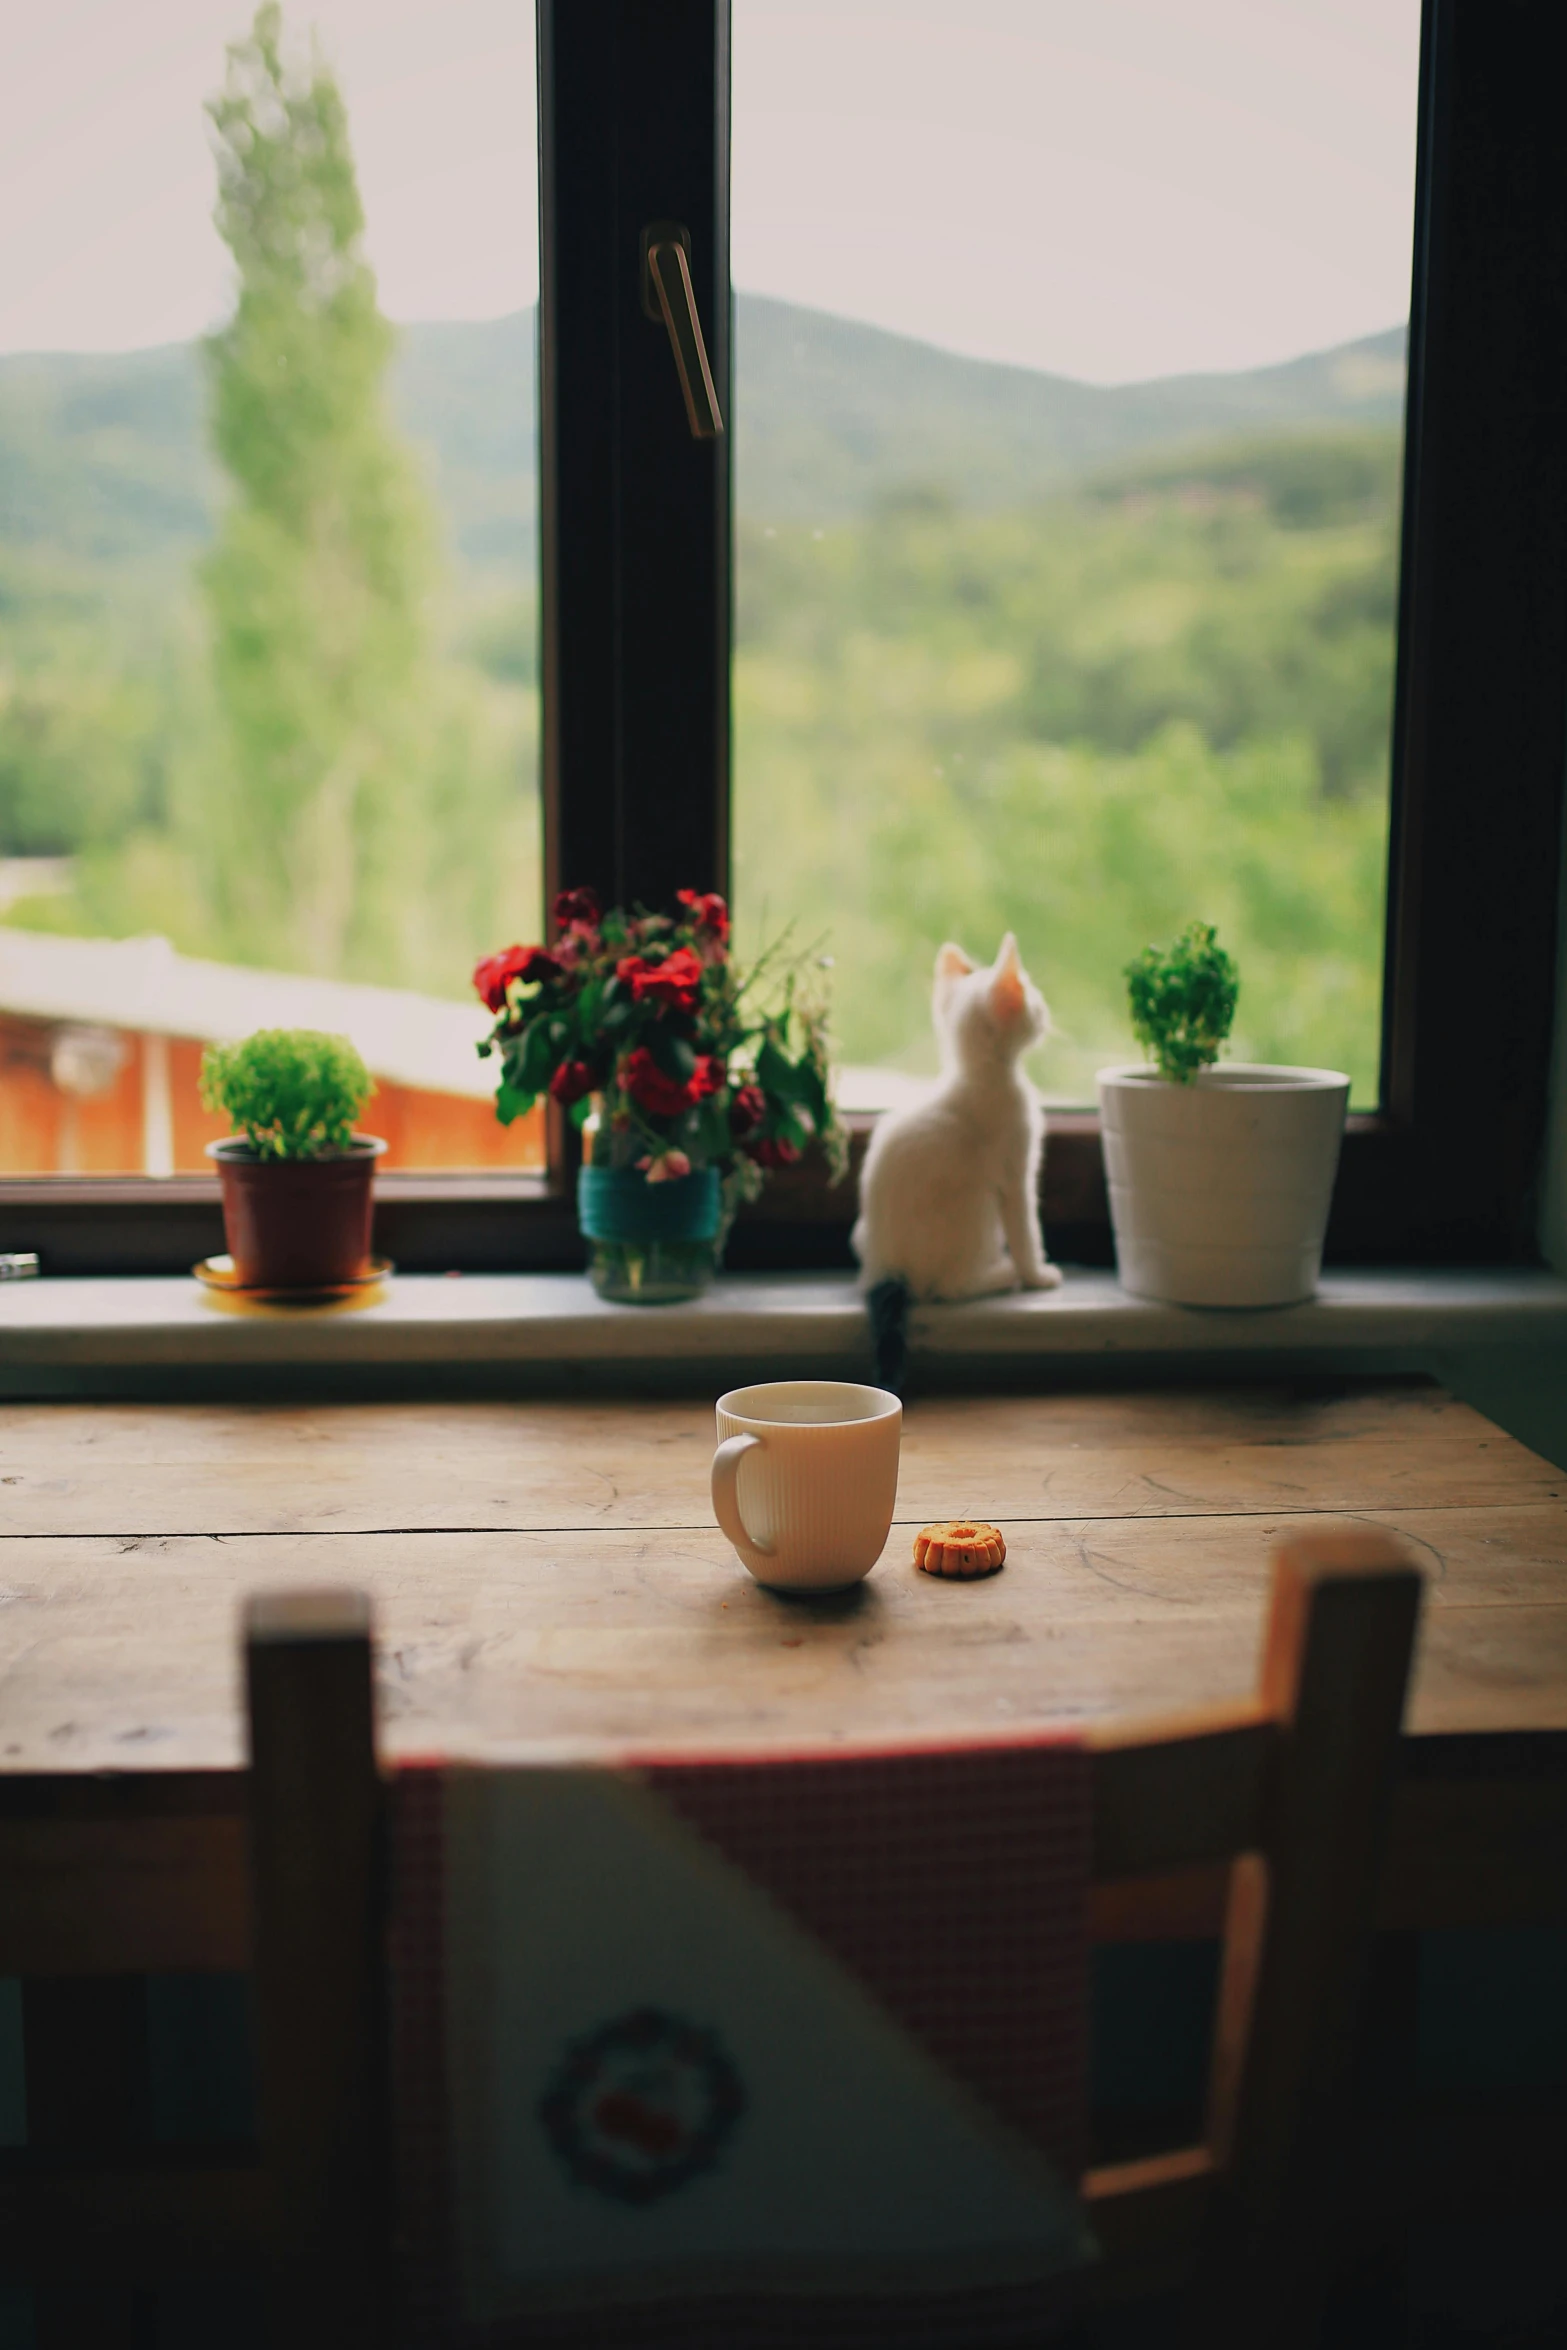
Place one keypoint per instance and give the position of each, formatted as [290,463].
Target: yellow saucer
[219,1273]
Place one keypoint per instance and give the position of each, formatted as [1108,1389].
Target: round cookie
[960,1547]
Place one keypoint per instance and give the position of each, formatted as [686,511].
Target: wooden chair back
[1294,1788]
[1295,1792]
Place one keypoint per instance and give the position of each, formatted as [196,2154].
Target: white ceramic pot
[1219,1190]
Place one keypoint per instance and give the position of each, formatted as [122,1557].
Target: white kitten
[949,1193]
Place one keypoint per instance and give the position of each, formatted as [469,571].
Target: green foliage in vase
[691,1062]
[1182,1000]
[293,1093]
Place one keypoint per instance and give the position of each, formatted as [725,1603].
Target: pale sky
[1108,188]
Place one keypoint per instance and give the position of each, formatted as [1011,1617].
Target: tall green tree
[317,584]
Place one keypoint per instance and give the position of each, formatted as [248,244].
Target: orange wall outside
[36,1120]
[447,1130]
[194,1127]
[433,1131]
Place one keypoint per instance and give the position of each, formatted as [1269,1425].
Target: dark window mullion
[1483,654]
[633,105]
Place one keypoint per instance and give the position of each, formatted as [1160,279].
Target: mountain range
[103,457]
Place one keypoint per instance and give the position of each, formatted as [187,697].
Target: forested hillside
[1162,693]
[107,456]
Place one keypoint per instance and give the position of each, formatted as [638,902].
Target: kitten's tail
[887,1302]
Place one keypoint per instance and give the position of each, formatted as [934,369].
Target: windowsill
[102,1336]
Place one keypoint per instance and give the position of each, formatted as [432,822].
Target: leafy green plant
[292,1092]
[1183,1001]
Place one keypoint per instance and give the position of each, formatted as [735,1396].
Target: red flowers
[651,1088]
[705,910]
[663,1096]
[572,1082]
[575,908]
[747,1111]
[638,1010]
[494,975]
[676,982]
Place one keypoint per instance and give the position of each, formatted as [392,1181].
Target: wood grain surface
[547,1578]
[543,1467]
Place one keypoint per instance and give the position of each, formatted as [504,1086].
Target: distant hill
[102,458]
[836,414]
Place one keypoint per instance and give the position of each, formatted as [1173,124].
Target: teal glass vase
[650,1244]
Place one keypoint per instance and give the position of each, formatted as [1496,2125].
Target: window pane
[268,694]
[1070,369]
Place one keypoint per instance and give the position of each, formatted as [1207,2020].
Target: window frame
[636,604]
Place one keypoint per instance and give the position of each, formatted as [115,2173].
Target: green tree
[316,587]
[306,764]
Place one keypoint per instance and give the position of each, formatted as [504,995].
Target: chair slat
[148,1873]
[1334,1674]
[161,1895]
[317,1871]
[1180,1793]
[135,2222]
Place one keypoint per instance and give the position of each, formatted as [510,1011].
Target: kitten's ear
[952,962]
[1007,994]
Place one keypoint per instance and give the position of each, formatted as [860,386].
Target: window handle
[668,295]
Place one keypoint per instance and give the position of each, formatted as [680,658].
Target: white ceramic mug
[805,1478]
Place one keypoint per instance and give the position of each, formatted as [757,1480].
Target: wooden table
[547,1576]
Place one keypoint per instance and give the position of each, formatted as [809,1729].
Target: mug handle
[726,1506]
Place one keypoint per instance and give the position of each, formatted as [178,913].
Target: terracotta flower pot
[297,1223]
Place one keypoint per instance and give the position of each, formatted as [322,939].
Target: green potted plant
[297,1180]
[691,1079]
[1220,1179]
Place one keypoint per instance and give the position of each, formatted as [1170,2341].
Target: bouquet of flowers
[687,1062]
